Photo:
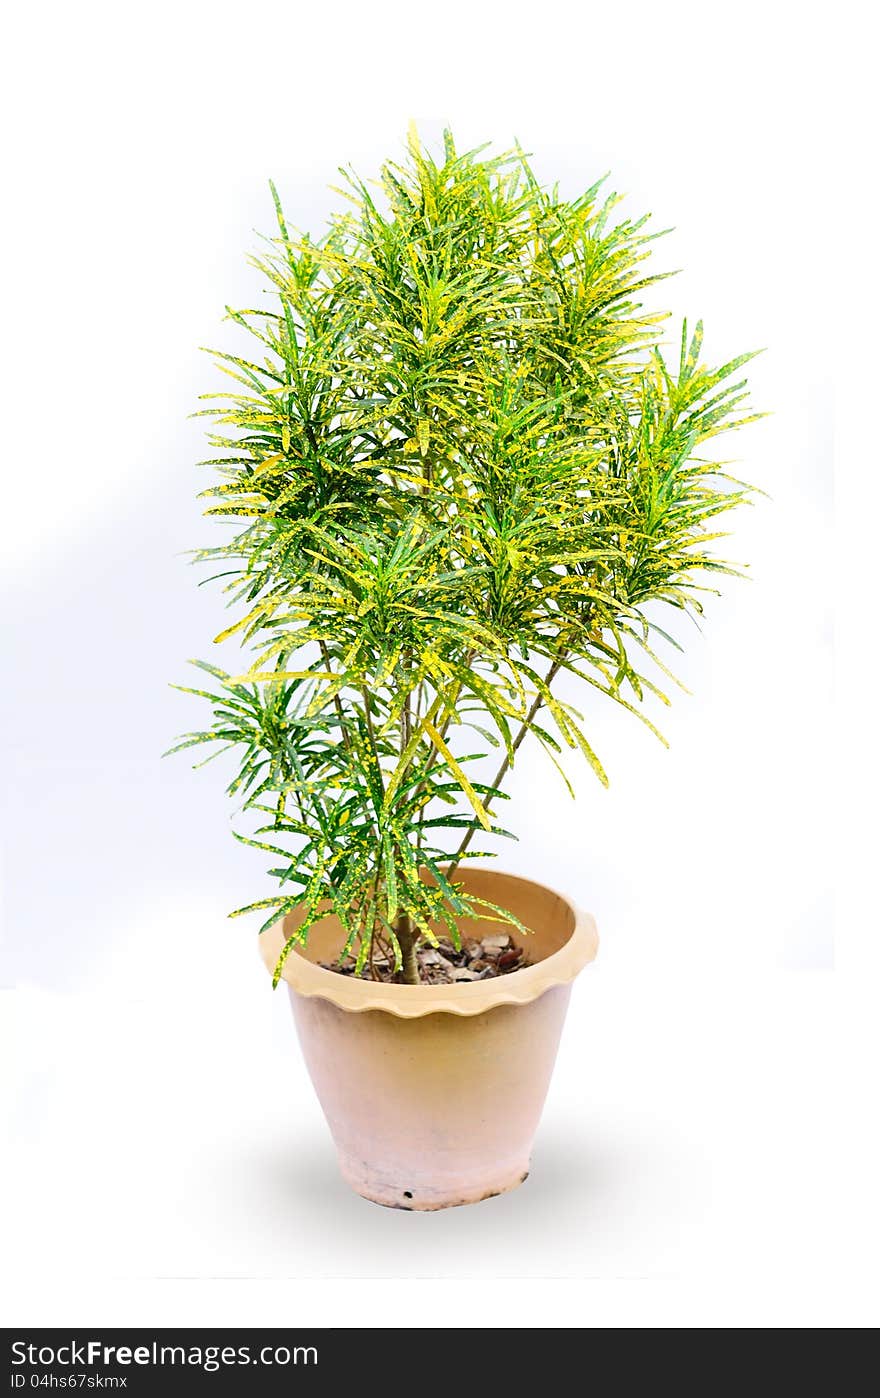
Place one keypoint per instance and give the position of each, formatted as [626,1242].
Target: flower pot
[433,1093]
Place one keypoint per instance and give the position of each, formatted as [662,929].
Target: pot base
[423,1198]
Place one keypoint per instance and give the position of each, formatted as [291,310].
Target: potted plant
[459,467]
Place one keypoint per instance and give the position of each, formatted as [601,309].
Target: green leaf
[440,744]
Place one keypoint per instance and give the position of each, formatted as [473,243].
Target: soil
[496,954]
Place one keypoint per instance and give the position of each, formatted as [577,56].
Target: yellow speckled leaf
[479,808]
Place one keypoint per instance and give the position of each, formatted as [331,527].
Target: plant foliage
[458,464]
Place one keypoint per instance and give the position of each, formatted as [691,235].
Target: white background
[169,1161]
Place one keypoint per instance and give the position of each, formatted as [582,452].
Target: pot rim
[463,998]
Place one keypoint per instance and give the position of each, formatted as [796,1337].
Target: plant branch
[508,759]
[372,734]
[337,702]
[444,729]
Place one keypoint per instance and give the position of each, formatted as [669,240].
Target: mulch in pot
[481,959]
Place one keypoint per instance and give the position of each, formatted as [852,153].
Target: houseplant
[458,466]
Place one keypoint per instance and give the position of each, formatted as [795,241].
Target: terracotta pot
[433,1093]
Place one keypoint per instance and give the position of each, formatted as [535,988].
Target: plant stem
[406,720]
[372,735]
[508,758]
[337,702]
[403,930]
[434,754]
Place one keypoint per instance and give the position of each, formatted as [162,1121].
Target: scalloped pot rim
[415,1001]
